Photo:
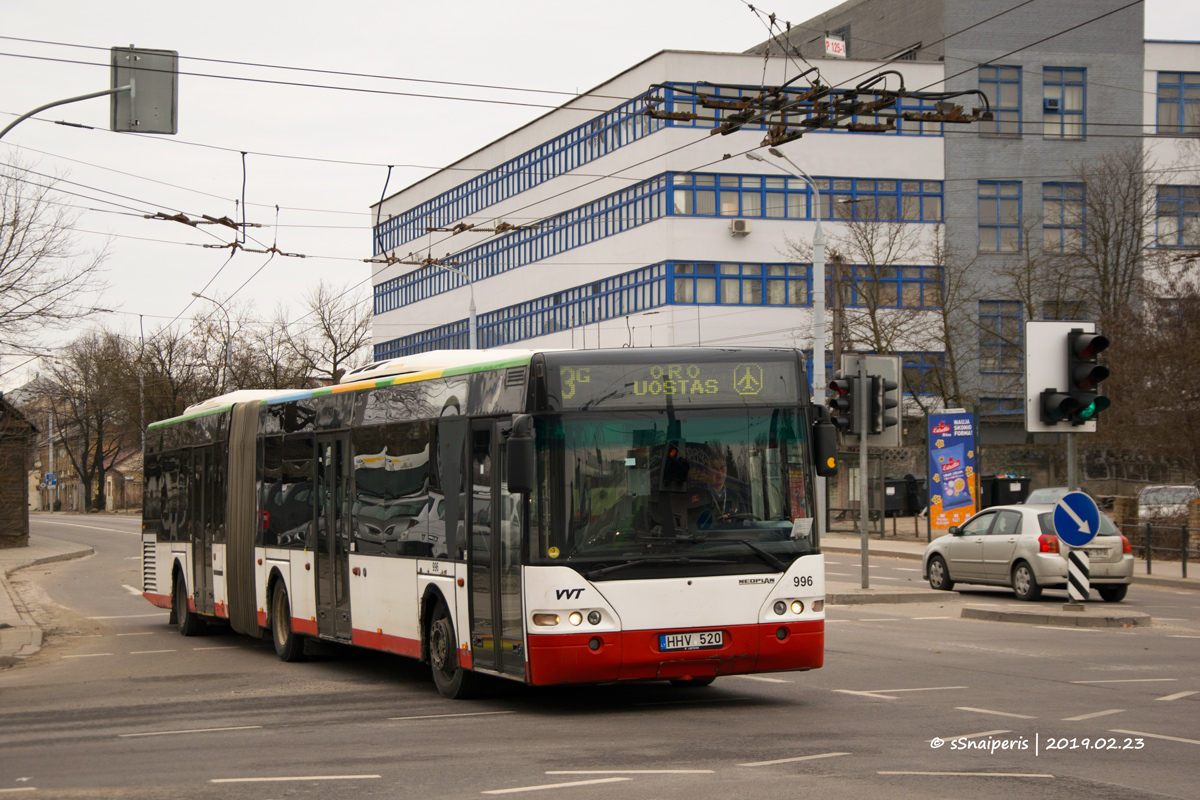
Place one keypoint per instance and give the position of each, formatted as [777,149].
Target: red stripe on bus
[222,610]
[160,600]
[386,642]
[635,655]
[308,626]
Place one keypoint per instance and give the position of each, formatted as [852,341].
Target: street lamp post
[818,293]
[228,339]
[472,332]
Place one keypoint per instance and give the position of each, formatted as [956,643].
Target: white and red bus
[549,517]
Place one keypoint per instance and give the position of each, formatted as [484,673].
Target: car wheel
[289,645]
[693,682]
[1113,594]
[939,575]
[451,679]
[190,624]
[1024,584]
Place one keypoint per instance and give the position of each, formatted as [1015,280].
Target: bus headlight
[575,618]
[545,619]
[797,607]
[594,617]
[780,607]
[818,605]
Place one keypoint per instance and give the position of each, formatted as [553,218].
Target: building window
[741,284]
[1063,103]
[922,372]
[895,287]
[1062,217]
[1002,85]
[1178,213]
[999,216]
[1179,103]
[999,336]
[1001,406]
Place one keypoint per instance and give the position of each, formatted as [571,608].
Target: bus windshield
[706,488]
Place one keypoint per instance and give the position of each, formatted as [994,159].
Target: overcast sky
[154,266]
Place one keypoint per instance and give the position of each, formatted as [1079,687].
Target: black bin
[1009,490]
[894,495]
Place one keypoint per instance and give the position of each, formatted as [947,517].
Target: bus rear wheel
[289,645]
[451,679]
[190,623]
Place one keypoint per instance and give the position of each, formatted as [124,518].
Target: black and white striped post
[1078,575]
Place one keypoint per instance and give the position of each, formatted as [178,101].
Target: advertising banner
[953,476]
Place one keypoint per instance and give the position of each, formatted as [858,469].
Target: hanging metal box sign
[835,47]
[152,106]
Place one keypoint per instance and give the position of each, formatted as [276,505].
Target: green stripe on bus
[175,420]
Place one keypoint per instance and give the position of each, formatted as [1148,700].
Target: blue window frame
[922,372]
[1062,217]
[1000,336]
[728,284]
[1179,103]
[1178,216]
[1001,406]
[1002,85]
[999,216]
[1064,103]
[895,287]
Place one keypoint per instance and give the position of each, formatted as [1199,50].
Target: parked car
[1016,546]
[1163,503]
[1048,495]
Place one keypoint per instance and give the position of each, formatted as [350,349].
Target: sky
[316,158]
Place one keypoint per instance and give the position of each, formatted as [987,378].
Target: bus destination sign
[696,383]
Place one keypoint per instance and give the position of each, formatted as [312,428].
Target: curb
[858,599]
[1167,583]
[83,552]
[840,548]
[1073,619]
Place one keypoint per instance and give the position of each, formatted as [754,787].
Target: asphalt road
[117,704]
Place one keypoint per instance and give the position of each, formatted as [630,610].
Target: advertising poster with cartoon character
[953,478]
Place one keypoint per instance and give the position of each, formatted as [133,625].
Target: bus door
[333,535]
[493,552]
[202,526]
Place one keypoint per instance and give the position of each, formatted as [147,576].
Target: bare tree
[958,296]
[335,333]
[46,278]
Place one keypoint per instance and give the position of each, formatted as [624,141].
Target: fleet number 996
[803,580]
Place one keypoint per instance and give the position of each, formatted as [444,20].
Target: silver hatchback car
[1016,546]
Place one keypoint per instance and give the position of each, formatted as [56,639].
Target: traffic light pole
[864,512]
[1072,455]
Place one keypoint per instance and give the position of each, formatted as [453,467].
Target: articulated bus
[550,517]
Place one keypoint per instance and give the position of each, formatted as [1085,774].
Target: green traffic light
[1093,408]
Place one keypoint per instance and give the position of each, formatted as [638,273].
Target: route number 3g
[803,580]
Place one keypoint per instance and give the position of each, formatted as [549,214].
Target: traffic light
[1057,406]
[1084,374]
[883,397]
[844,403]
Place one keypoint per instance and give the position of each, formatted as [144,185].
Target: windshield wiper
[770,559]
[602,571]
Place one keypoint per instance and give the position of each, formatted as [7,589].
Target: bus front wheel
[452,680]
[289,646]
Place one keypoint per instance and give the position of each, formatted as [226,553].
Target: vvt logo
[568,594]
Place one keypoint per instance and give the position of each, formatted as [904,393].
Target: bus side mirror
[522,461]
[824,442]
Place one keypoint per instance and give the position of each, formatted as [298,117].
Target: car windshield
[1167,495]
[706,488]
[1046,522]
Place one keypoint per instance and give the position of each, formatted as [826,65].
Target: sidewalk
[1166,574]
[19,635]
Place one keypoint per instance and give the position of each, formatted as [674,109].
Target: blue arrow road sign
[1076,519]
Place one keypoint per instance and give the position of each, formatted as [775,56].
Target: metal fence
[1170,542]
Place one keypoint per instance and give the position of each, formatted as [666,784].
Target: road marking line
[140,633]
[88,655]
[997,713]
[758,678]
[1173,619]
[975,774]
[884,693]
[554,786]
[841,574]
[92,527]
[297,778]
[1180,636]
[21,789]
[1131,680]
[906,569]
[144,652]
[628,771]
[790,760]
[972,735]
[1156,736]
[687,702]
[932,617]
[1177,695]
[131,590]
[1065,628]
[885,578]
[194,730]
[445,716]
[1094,715]
[226,647]
[132,616]
[879,619]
